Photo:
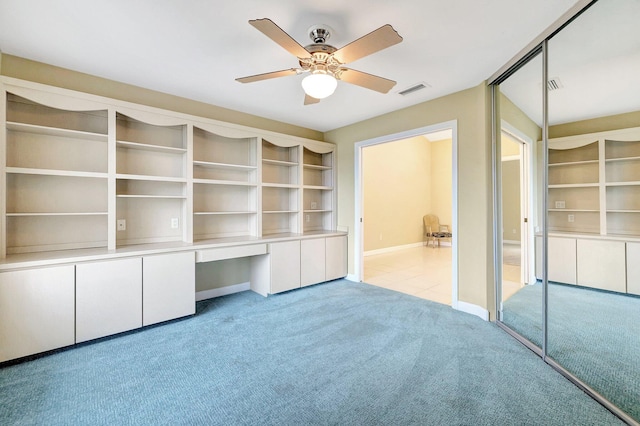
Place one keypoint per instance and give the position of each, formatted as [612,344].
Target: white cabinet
[284,266]
[36,311]
[168,287]
[562,260]
[336,258]
[108,298]
[633,268]
[312,261]
[601,264]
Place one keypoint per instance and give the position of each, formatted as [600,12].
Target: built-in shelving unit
[574,189]
[85,173]
[622,177]
[318,190]
[52,156]
[224,186]
[150,181]
[280,189]
[594,183]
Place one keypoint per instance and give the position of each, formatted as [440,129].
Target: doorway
[517,211]
[389,233]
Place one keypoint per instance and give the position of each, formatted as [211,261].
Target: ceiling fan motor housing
[320,33]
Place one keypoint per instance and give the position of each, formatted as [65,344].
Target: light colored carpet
[592,333]
[340,353]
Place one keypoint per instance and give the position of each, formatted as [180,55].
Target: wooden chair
[434,231]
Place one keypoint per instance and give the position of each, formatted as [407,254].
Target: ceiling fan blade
[308,100]
[267,75]
[383,37]
[277,34]
[368,81]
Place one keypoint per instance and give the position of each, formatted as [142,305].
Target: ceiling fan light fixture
[319,84]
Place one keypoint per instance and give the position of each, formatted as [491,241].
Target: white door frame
[526,202]
[359,207]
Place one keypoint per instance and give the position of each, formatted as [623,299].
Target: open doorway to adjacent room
[401,180]
[517,232]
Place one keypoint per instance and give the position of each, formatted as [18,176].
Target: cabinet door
[633,268]
[108,298]
[285,266]
[336,258]
[168,287]
[36,311]
[312,261]
[562,260]
[601,264]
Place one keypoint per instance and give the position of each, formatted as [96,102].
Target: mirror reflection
[594,201]
[521,295]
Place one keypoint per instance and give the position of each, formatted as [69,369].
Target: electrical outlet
[380,237]
[314,205]
[571,218]
[307,218]
[560,204]
[513,231]
[121,224]
[175,223]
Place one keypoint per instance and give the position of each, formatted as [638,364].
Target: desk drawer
[211,255]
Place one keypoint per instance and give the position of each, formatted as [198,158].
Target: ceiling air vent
[554,84]
[413,89]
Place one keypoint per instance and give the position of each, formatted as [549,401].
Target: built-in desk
[55,299]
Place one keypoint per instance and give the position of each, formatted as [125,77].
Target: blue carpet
[332,354]
[593,334]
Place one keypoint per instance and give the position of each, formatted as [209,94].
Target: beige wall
[441,185]
[601,124]
[471,109]
[13,66]
[396,192]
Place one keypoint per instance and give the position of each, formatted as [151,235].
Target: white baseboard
[222,291]
[351,277]
[391,249]
[472,309]
[514,242]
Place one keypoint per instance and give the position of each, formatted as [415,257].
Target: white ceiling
[597,60]
[196,48]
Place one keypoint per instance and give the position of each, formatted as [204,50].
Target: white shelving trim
[55,131]
[575,210]
[280,185]
[279,162]
[53,172]
[318,211]
[279,211]
[151,178]
[211,165]
[224,182]
[56,214]
[176,197]
[629,183]
[618,159]
[316,167]
[574,163]
[149,147]
[574,185]
[220,213]
[623,211]
[322,188]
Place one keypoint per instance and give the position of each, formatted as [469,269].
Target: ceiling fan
[325,63]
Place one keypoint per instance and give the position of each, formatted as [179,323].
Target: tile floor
[424,272]
[420,271]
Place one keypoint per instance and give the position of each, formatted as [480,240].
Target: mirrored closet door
[582,311]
